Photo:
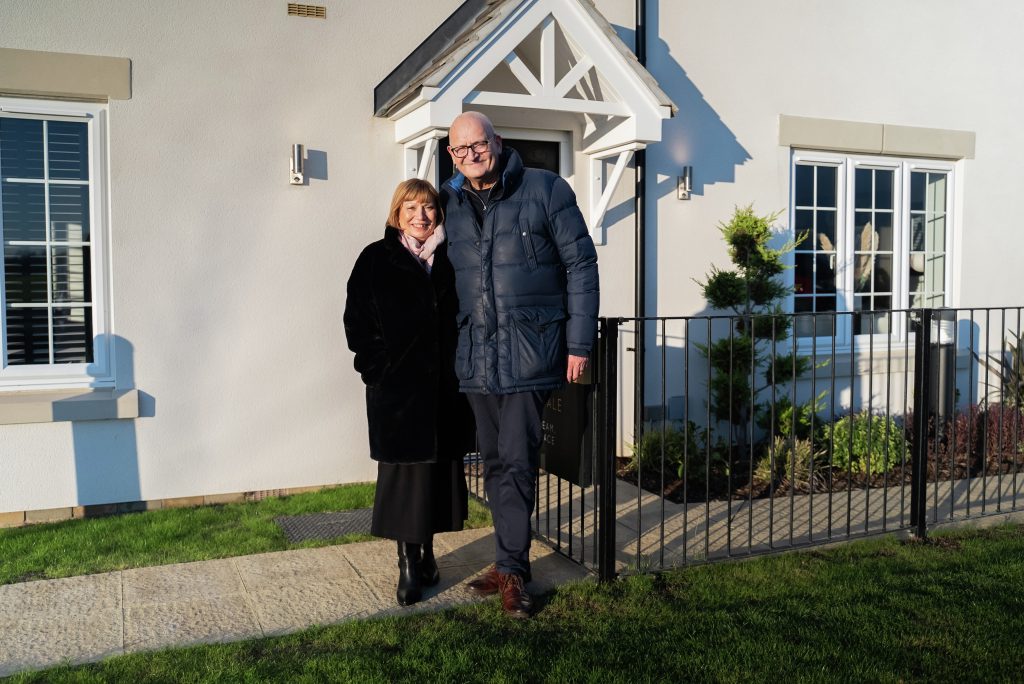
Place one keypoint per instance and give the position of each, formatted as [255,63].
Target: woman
[400,322]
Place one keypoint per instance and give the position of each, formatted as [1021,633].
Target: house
[171,323]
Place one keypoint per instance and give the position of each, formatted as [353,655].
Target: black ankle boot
[410,586]
[428,566]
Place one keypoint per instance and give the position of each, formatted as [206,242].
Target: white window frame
[847,164]
[99,373]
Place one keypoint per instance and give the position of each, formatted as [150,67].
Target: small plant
[1008,368]
[864,441]
[790,421]
[677,450]
[674,445]
[789,461]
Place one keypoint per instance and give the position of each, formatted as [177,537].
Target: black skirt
[414,501]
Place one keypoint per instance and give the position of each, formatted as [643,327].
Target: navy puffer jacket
[526,279]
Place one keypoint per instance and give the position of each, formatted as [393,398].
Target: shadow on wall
[316,165]
[106,451]
[696,135]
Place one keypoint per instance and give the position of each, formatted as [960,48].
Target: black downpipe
[640,215]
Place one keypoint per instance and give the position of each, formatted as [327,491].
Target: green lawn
[951,610]
[79,547]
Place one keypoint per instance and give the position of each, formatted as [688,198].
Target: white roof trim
[636,99]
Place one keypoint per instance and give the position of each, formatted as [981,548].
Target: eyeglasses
[478,148]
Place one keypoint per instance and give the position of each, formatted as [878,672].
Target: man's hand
[577,364]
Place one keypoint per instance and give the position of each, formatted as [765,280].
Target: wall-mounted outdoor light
[684,183]
[297,166]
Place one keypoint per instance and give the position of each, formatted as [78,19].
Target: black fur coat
[400,322]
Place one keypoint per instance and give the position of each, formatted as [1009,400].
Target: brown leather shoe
[487,584]
[515,601]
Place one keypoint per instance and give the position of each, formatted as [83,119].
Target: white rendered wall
[733,68]
[228,283]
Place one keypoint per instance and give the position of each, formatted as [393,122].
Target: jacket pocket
[538,343]
[528,250]
[464,350]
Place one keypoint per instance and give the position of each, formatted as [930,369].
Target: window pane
[862,232]
[24,211]
[801,304]
[862,189]
[825,325]
[862,271]
[804,190]
[70,270]
[804,274]
[68,149]
[825,303]
[25,274]
[804,224]
[935,273]
[72,335]
[936,234]
[825,277]
[917,180]
[917,233]
[28,337]
[871,323]
[803,326]
[826,186]
[69,213]
[21,148]
[936,193]
[883,274]
[883,231]
[826,231]
[883,189]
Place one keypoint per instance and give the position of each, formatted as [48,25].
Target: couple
[499,302]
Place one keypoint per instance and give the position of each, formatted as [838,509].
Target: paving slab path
[88,618]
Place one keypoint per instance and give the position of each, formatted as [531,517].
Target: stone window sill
[54,406]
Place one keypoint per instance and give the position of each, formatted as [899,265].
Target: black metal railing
[769,432]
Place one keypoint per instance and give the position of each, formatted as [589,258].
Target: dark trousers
[508,429]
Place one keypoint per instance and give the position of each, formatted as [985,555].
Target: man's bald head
[473,119]
[475,148]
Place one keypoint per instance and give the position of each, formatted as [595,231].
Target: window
[53,320]
[873,235]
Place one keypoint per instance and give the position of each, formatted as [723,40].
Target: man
[526,277]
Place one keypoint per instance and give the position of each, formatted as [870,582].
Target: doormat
[298,528]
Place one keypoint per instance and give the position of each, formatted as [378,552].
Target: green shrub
[676,444]
[864,439]
[784,421]
[788,461]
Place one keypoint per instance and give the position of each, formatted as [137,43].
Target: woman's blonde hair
[416,190]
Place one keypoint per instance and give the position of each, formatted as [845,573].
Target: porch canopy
[548,61]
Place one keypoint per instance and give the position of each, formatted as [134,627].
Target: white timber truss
[556,56]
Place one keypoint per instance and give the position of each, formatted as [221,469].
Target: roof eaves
[431,55]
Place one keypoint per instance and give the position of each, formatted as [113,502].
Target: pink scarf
[424,251]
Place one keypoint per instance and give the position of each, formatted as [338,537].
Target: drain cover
[325,525]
